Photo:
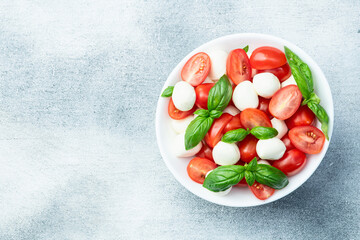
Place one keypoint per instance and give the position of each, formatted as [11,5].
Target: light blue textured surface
[79,81]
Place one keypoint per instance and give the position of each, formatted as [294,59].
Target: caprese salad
[246,119]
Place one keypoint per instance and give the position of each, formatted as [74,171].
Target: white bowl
[239,197]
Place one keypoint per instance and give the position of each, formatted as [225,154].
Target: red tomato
[238,66]
[267,58]
[196,69]
[285,102]
[287,142]
[264,106]
[198,168]
[303,117]
[215,133]
[291,163]
[252,117]
[282,73]
[205,152]
[261,191]
[175,113]
[247,148]
[202,94]
[308,139]
[233,124]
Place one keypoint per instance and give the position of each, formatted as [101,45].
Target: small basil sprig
[168,91]
[220,94]
[223,177]
[236,135]
[246,48]
[259,132]
[303,77]
[264,132]
[197,130]
[202,112]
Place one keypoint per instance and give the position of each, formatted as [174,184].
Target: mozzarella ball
[180,126]
[270,149]
[266,84]
[289,81]
[218,64]
[245,96]
[208,80]
[226,153]
[280,126]
[183,96]
[231,110]
[263,162]
[221,193]
[179,147]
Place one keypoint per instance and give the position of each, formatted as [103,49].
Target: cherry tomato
[196,69]
[261,191]
[198,168]
[202,94]
[282,73]
[285,102]
[238,66]
[175,113]
[252,117]
[267,58]
[291,163]
[287,142]
[233,124]
[303,117]
[308,139]
[215,133]
[247,148]
[205,152]
[264,106]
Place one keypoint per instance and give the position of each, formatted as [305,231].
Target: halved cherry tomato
[215,133]
[285,102]
[267,58]
[252,117]
[198,168]
[205,152]
[291,163]
[303,117]
[261,191]
[282,73]
[196,69]
[202,94]
[308,139]
[176,114]
[287,142]
[247,148]
[264,106]
[234,123]
[238,66]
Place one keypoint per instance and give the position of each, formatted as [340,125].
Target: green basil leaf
[236,135]
[223,177]
[252,165]
[313,98]
[304,68]
[249,177]
[168,91]
[323,117]
[246,49]
[215,113]
[202,112]
[264,132]
[220,94]
[270,176]
[196,131]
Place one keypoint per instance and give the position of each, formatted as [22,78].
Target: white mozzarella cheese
[183,96]
[218,64]
[263,162]
[270,149]
[179,147]
[289,81]
[280,126]
[231,110]
[208,80]
[226,153]
[245,96]
[180,126]
[266,84]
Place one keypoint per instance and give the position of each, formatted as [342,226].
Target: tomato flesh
[202,94]
[196,69]
[303,117]
[261,191]
[238,66]
[205,152]
[287,142]
[198,168]
[285,102]
[282,73]
[266,57]
[252,117]
[291,163]
[234,123]
[247,148]
[308,139]
[215,133]
[176,114]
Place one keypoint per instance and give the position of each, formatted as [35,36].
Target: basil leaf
[249,177]
[252,165]
[313,98]
[168,91]
[196,131]
[215,113]
[223,177]
[246,49]
[236,135]
[202,112]
[220,94]
[270,176]
[323,117]
[264,132]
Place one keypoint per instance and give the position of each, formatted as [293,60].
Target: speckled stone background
[79,81]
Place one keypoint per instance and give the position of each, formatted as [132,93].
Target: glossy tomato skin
[291,163]
[215,133]
[234,123]
[198,168]
[205,152]
[285,102]
[287,142]
[176,114]
[202,94]
[282,73]
[264,106]
[264,58]
[308,139]
[196,69]
[261,191]
[247,148]
[252,117]
[238,66]
[302,117]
